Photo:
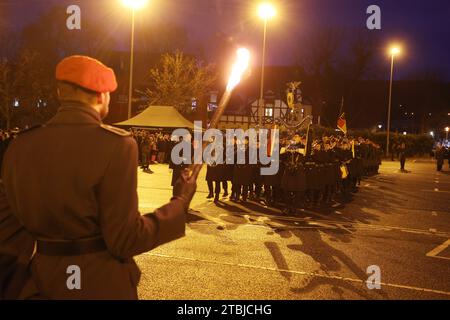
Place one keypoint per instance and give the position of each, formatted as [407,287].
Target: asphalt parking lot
[398,222]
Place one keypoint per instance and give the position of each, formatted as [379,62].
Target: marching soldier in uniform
[78,196]
[215,175]
[293,181]
[242,174]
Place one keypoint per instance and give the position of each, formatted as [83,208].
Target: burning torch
[239,68]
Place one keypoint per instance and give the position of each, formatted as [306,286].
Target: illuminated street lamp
[266,11]
[133,5]
[394,51]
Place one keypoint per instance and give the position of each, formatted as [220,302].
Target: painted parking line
[435,190]
[436,251]
[298,272]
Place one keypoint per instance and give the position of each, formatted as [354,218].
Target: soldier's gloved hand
[185,188]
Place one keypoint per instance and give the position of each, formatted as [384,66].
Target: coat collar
[74,112]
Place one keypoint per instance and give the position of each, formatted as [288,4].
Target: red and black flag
[342,122]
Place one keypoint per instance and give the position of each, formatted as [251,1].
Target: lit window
[212,107]
[269,112]
[16,103]
[194,103]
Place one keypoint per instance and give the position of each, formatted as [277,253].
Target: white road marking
[435,190]
[434,253]
[304,273]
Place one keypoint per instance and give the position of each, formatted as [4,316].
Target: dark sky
[421,26]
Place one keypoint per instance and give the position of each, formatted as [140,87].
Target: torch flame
[241,65]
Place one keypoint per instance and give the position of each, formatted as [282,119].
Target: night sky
[421,26]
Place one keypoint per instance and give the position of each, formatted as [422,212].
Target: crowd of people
[154,147]
[6,134]
[335,165]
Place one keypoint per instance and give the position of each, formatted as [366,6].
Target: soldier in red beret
[77,198]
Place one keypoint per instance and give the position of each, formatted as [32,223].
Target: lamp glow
[241,65]
[395,50]
[447,129]
[267,11]
[135,4]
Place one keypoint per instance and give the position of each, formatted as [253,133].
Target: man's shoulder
[23,135]
[29,130]
[116,131]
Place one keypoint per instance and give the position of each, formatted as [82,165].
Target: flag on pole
[353,149]
[271,141]
[342,123]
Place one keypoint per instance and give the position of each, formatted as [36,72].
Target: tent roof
[158,117]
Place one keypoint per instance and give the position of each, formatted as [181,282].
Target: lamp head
[266,11]
[135,4]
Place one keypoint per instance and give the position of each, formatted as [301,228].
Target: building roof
[158,117]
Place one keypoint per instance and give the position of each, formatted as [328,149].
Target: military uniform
[243,176]
[293,181]
[72,185]
[63,197]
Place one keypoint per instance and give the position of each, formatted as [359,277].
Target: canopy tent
[158,117]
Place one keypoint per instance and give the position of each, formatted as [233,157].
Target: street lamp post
[130,86]
[394,51]
[266,12]
[446,133]
[134,5]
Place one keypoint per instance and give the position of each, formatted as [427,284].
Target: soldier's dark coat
[76,179]
[294,175]
[243,174]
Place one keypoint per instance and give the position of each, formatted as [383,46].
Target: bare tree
[179,79]
[26,89]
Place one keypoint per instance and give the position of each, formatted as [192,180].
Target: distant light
[405,133]
[429,114]
[447,129]
[135,4]
[432,133]
[412,113]
[448,114]
[406,113]
[266,11]
[395,50]
[380,126]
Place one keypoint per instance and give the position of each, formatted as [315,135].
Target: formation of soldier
[304,179]
[152,147]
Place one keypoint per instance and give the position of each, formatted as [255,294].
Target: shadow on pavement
[309,227]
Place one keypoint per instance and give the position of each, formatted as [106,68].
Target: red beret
[88,73]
